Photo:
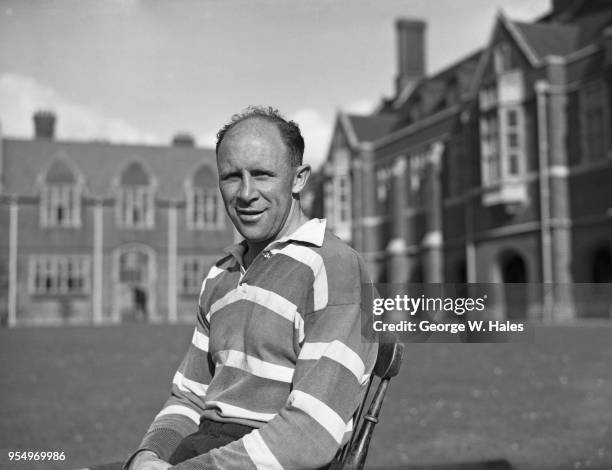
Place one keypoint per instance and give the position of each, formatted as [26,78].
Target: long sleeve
[332,367]
[180,415]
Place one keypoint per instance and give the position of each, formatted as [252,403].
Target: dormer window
[451,92]
[416,109]
[60,202]
[135,202]
[204,208]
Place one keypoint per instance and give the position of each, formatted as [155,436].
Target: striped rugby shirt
[277,347]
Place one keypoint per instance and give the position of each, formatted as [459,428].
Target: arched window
[135,201]
[204,209]
[60,202]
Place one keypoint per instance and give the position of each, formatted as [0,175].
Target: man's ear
[300,178]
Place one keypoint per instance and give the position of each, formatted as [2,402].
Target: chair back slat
[388,363]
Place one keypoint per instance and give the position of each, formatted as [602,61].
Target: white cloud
[21,96]
[317,134]
[207,139]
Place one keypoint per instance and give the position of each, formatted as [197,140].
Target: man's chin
[251,234]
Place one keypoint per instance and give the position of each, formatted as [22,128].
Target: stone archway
[513,271]
[601,265]
[134,283]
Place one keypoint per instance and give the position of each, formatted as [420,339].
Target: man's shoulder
[336,249]
[343,264]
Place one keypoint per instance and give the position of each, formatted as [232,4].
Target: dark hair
[290,131]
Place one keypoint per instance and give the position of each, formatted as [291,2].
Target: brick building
[93,232]
[497,168]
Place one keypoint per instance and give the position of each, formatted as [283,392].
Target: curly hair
[290,131]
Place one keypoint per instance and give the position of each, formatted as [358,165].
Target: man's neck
[295,219]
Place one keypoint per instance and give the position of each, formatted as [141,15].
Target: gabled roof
[370,128]
[549,39]
[99,164]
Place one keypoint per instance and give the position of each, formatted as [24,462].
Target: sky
[140,71]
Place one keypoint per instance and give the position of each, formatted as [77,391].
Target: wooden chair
[388,362]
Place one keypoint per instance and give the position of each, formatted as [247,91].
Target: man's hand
[147,460]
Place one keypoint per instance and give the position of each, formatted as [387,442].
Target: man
[277,365]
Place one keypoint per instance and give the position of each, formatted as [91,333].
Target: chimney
[410,51]
[183,139]
[44,125]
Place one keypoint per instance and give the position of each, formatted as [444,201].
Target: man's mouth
[249,215]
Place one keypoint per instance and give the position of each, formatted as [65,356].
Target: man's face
[255,179]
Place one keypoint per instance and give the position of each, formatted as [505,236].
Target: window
[489,148]
[60,198]
[502,143]
[133,267]
[135,204]
[416,167]
[337,195]
[61,206]
[343,200]
[328,195]
[488,98]
[451,92]
[513,142]
[415,111]
[136,207]
[593,100]
[383,184]
[204,209]
[502,58]
[59,274]
[193,270]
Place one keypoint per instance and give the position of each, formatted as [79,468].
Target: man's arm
[147,460]
[328,383]
[180,415]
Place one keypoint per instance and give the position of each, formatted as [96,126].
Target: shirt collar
[312,231]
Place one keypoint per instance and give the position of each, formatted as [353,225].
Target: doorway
[134,285]
[514,278]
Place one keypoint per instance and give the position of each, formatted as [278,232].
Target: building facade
[93,232]
[496,169]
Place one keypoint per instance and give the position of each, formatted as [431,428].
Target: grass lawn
[91,392]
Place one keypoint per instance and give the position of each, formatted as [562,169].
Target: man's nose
[247,192]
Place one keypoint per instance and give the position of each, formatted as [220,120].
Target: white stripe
[180,410]
[254,365]
[349,426]
[212,273]
[187,385]
[259,452]
[200,340]
[232,411]
[320,412]
[336,351]
[272,301]
[314,261]
[348,431]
